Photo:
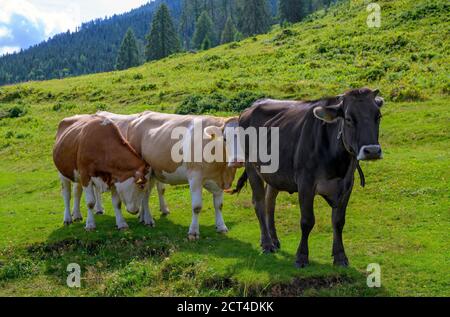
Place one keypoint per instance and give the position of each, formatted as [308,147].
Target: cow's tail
[240,184]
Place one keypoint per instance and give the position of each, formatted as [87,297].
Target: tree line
[152,32]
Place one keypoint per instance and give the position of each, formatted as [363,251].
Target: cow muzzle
[370,153]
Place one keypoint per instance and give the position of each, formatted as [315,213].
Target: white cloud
[5,32]
[55,16]
[8,50]
[59,16]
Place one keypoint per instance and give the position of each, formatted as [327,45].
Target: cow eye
[349,121]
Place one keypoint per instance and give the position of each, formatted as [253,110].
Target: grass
[400,220]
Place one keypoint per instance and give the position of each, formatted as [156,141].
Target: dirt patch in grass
[139,248]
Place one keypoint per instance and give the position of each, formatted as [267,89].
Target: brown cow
[93,153]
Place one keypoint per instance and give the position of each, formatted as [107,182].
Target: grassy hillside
[400,220]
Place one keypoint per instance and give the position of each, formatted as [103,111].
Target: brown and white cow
[151,134]
[92,153]
[122,123]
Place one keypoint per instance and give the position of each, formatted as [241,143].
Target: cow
[151,134]
[91,152]
[121,121]
[321,143]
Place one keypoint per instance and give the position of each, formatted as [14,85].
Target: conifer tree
[229,32]
[291,11]
[203,29]
[128,55]
[254,17]
[162,40]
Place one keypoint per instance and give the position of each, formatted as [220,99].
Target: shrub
[408,93]
[138,76]
[13,112]
[62,106]
[148,87]
[243,100]
[197,104]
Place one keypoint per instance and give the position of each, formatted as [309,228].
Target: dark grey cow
[320,144]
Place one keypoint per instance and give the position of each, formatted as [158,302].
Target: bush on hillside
[13,112]
[200,104]
[406,93]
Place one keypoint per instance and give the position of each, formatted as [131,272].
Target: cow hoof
[165,212]
[90,228]
[68,223]
[100,212]
[223,229]
[276,244]
[193,236]
[341,260]
[151,224]
[77,218]
[123,227]
[302,261]
[268,248]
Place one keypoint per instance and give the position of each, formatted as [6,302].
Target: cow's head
[230,145]
[132,190]
[358,115]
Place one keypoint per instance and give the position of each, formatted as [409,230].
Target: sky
[27,22]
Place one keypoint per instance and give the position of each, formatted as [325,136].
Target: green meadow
[401,220]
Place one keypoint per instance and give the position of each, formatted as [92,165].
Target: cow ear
[328,114]
[376,92]
[379,101]
[213,132]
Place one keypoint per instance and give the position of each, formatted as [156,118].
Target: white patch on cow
[77,192]
[90,202]
[106,121]
[130,194]
[100,185]
[120,221]
[65,182]
[217,192]
[196,187]
[76,176]
[145,215]
[162,200]
[179,177]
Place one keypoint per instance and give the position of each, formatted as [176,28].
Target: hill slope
[400,220]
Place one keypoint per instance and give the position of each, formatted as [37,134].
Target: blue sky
[27,22]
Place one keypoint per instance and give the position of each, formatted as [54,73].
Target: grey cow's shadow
[108,249]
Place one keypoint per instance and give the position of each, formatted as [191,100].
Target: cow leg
[258,199]
[98,202]
[117,205]
[66,184]
[271,199]
[145,215]
[90,202]
[338,220]
[162,200]
[217,193]
[307,221]
[195,185]
[77,192]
